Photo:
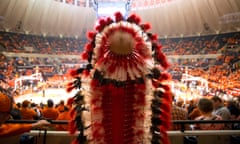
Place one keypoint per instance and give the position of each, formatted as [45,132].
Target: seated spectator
[221,110]
[178,113]
[36,108]
[50,112]
[61,106]
[27,112]
[194,114]
[234,110]
[8,130]
[206,108]
[15,112]
[64,115]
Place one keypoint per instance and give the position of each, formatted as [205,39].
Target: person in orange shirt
[194,114]
[50,112]
[61,106]
[27,113]
[65,115]
[9,130]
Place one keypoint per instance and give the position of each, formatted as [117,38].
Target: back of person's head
[18,105]
[61,102]
[205,105]
[180,102]
[5,103]
[66,108]
[216,99]
[50,103]
[33,105]
[25,103]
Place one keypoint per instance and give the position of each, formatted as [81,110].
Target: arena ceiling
[168,18]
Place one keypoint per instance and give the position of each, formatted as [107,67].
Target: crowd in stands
[223,72]
[17,42]
[206,108]
[28,110]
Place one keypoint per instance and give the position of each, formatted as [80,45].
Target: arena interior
[42,40]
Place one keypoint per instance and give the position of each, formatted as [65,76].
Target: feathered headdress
[129,101]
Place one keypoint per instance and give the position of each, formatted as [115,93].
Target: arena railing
[175,135]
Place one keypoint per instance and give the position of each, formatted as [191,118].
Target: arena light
[106,8]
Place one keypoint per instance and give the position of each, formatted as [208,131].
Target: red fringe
[97,133]
[131,31]
[159,47]
[166,105]
[72,113]
[166,119]
[165,76]
[94,83]
[164,137]
[168,96]
[72,128]
[166,87]
[70,101]
[75,141]
[86,73]
[165,64]
[155,83]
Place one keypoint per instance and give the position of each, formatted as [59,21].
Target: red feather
[70,101]
[109,20]
[88,47]
[118,16]
[159,47]
[166,76]
[166,105]
[91,35]
[164,137]
[72,72]
[166,87]
[75,141]
[84,55]
[72,113]
[165,64]
[94,83]
[99,28]
[72,128]
[154,37]
[146,26]
[166,119]
[69,84]
[86,73]
[132,18]
[137,20]
[69,89]
[102,22]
